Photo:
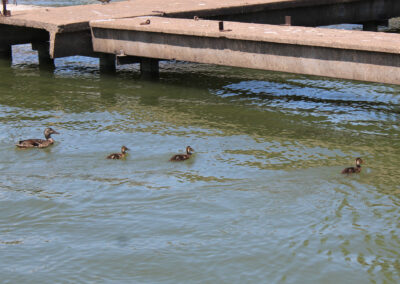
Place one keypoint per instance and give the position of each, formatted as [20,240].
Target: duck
[356,169]
[183,157]
[118,156]
[39,143]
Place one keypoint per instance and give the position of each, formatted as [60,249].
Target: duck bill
[55,132]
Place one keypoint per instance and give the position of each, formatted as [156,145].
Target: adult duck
[183,157]
[356,169]
[39,143]
[118,156]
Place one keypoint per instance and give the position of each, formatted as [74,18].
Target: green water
[261,201]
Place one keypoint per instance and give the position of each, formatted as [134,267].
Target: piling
[149,68]
[46,63]
[107,63]
[6,54]
[370,26]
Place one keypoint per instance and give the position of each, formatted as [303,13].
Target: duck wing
[31,143]
[350,170]
[45,143]
[114,156]
[179,157]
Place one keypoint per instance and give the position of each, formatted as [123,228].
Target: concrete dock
[65,31]
[355,55]
[67,28]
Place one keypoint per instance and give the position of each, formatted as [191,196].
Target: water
[262,200]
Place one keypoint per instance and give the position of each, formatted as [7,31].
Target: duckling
[356,169]
[38,143]
[182,157]
[117,156]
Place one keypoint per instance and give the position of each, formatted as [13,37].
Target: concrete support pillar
[46,63]
[107,63]
[149,68]
[370,26]
[6,54]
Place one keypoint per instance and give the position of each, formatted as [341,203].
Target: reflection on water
[262,198]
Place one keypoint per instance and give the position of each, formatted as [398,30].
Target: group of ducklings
[43,143]
[174,158]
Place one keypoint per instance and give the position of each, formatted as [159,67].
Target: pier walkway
[65,31]
[356,55]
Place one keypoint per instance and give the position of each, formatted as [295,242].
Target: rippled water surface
[261,201]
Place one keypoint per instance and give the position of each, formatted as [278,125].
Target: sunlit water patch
[339,102]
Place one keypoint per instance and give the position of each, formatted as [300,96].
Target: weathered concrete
[311,13]
[75,18]
[21,7]
[67,28]
[65,31]
[370,26]
[46,63]
[149,68]
[19,35]
[5,51]
[344,54]
[5,54]
[107,63]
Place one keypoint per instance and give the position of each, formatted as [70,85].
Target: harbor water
[262,200]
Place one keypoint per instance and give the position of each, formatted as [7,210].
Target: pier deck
[356,55]
[65,31]
[67,28]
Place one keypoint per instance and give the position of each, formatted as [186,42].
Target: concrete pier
[5,55]
[149,68]
[107,63]
[67,28]
[354,55]
[371,26]
[65,31]
[46,63]
[5,52]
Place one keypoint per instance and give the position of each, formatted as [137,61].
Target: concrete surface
[344,54]
[22,7]
[65,31]
[322,37]
[69,33]
[74,18]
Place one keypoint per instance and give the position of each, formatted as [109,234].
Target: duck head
[48,131]
[189,150]
[124,149]
[359,161]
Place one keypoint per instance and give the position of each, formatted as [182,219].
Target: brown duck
[118,156]
[356,169]
[38,143]
[182,157]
